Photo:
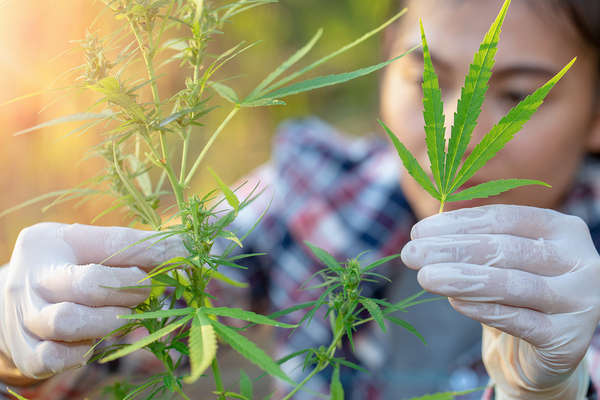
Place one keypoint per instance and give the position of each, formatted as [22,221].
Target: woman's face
[533,47]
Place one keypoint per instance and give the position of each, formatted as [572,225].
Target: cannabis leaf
[446,169]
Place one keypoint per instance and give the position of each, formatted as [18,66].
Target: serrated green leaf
[263,102]
[286,64]
[180,347]
[160,314]
[377,263]
[504,131]
[245,386]
[202,346]
[69,118]
[472,96]
[406,326]
[110,88]
[250,351]
[226,92]
[230,236]
[229,195]
[223,278]
[411,165]
[433,114]
[244,315]
[374,310]
[328,57]
[187,111]
[337,391]
[146,341]
[329,80]
[148,212]
[168,382]
[324,256]
[492,188]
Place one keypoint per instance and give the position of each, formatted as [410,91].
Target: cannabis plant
[142,137]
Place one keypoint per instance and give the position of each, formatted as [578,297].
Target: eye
[515,96]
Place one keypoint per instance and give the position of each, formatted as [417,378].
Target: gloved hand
[532,277]
[52,306]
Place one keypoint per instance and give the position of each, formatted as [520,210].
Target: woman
[528,273]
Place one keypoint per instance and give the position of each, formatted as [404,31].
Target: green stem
[180,392]
[317,369]
[184,154]
[208,144]
[217,376]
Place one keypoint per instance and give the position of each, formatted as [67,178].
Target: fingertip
[54,357]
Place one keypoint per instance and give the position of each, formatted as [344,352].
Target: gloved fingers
[83,284]
[94,244]
[542,257]
[53,357]
[527,222]
[500,286]
[532,326]
[70,322]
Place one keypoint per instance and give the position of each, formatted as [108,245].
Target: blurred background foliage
[35,38]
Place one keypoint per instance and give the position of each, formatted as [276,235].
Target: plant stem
[208,144]
[317,369]
[217,375]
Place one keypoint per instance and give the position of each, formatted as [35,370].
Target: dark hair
[583,14]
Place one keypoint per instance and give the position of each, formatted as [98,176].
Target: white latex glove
[52,307]
[532,277]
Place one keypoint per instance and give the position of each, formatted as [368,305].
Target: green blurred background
[34,32]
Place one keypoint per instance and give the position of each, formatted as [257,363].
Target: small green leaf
[412,166]
[147,212]
[245,386]
[250,351]
[492,188]
[286,64]
[176,312]
[168,382]
[263,102]
[179,114]
[377,263]
[226,92]
[433,113]
[229,195]
[406,326]
[337,391]
[146,341]
[324,256]
[180,347]
[323,81]
[374,310]
[110,87]
[202,346]
[244,315]
[230,236]
[69,118]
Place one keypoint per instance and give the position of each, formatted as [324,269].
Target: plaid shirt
[343,195]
